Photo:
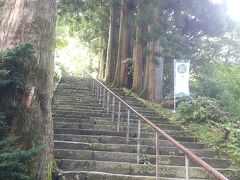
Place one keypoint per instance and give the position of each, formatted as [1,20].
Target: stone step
[112,126]
[92,175]
[104,116]
[111,147]
[63,108]
[123,119]
[148,144]
[122,134]
[133,104]
[134,169]
[172,160]
[93,102]
[82,115]
[103,121]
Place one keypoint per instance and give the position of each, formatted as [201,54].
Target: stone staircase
[88,147]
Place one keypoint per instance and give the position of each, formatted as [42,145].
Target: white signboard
[181,77]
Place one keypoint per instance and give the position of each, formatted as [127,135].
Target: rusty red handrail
[187,152]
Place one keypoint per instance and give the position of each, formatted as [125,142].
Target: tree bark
[121,77]
[112,42]
[148,62]
[23,21]
[102,58]
[153,85]
[155,90]
[138,63]
[158,73]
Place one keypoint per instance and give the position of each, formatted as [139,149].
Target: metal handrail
[188,154]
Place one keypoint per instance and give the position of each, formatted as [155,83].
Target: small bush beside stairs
[88,147]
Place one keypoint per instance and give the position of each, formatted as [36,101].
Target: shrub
[13,160]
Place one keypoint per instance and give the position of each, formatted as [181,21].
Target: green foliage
[62,32]
[222,82]
[201,110]
[3,78]
[211,135]
[13,65]
[233,145]
[3,125]
[192,112]
[12,160]
[205,82]
[87,20]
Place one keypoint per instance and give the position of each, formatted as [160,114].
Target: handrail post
[187,167]
[119,116]
[138,141]
[107,101]
[104,91]
[97,90]
[77,177]
[100,91]
[113,108]
[157,157]
[127,128]
[94,87]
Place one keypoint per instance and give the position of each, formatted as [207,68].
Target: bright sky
[233,8]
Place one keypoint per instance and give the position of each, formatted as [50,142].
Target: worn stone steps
[134,169]
[66,109]
[102,117]
[87,145]
[113,126]
[120,144]
[189,141]
[106,121]
[93,113]
[92,175]
[132,158]
[120,147]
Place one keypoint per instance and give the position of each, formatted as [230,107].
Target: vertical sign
[181,79]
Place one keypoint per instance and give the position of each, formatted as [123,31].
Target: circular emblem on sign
[182,68]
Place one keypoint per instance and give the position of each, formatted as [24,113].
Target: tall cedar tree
[138,52]
[121,75]
[112,41]
[33,22]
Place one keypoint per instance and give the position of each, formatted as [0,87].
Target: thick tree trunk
[155,92]
[23,21]
[102,58]
[153,85]
[148,62]
[151,71]
[112,42]
[158,74]
[103,62]
[138,63]
[121,76]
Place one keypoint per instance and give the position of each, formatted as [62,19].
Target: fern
[13,160]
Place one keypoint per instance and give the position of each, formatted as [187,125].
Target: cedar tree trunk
[138,63]
[121,77]
[112,42]
[24,21]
